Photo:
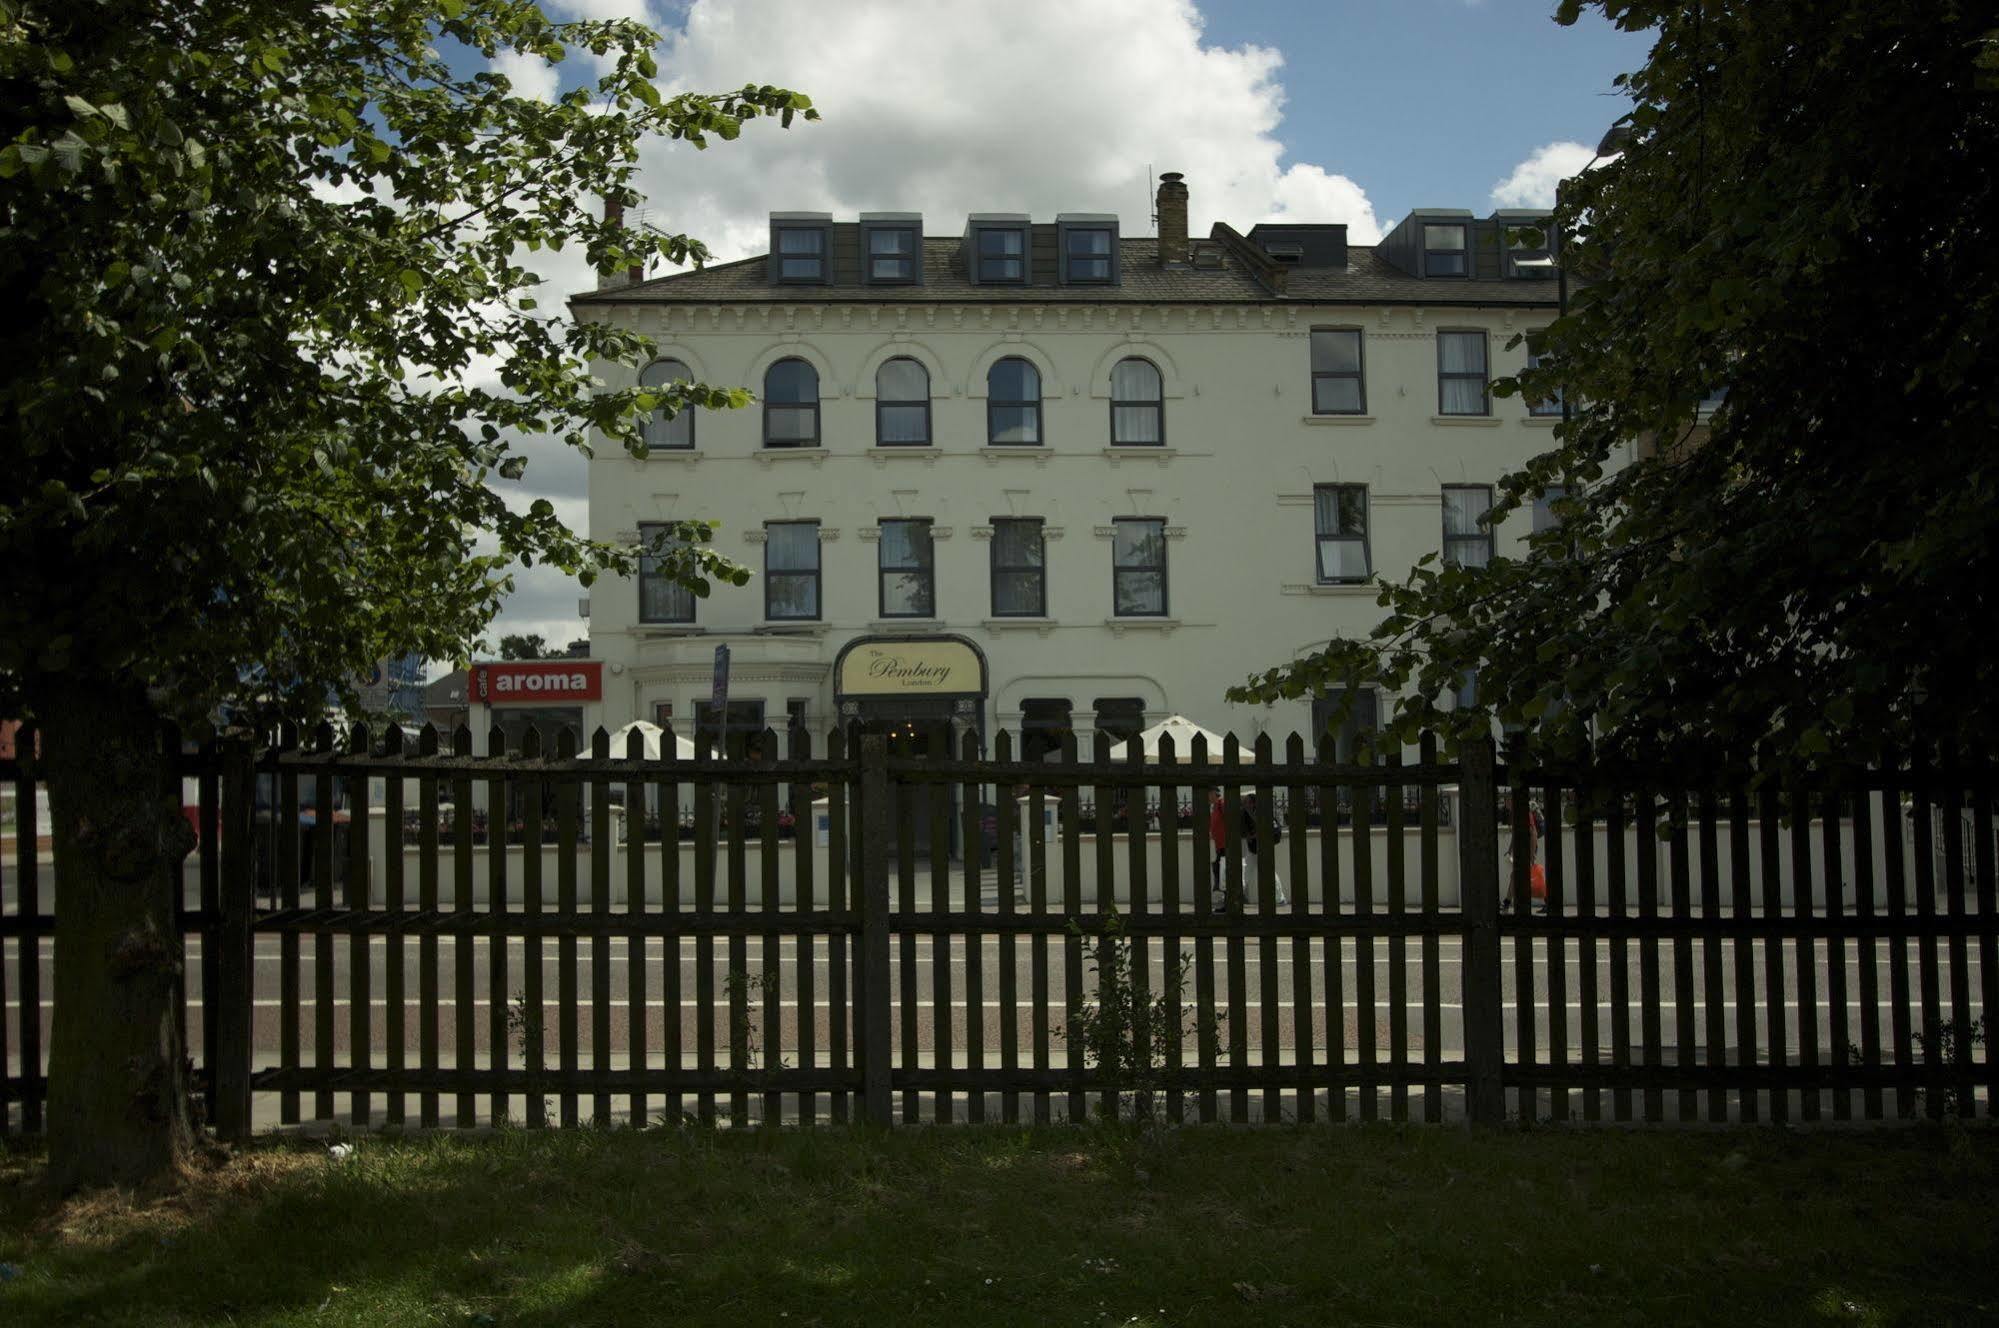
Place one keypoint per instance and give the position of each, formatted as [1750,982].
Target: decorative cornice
[1140,452]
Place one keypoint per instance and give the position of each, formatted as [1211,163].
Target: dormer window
[1444,252]
[891,248]
[1528,255]
[891,254]
[1088,248]
[1002,254]
[801,253]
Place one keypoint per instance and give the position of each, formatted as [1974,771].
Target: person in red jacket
[1218,837]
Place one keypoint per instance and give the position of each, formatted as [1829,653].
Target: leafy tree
[254,257]
[1807,215]
[529,646]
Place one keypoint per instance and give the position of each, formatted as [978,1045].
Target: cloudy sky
[1324,110]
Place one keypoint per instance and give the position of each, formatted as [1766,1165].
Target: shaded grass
[1376,1225]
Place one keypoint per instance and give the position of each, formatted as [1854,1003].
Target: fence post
[234,996]
[1478,874]
[873,1024]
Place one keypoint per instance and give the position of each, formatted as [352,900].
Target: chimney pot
[1172,206]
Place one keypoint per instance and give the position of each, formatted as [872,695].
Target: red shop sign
[540,683]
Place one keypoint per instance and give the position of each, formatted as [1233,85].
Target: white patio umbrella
[683,749]
[1183,730]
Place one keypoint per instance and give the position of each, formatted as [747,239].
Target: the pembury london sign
[545,682]
[904,668]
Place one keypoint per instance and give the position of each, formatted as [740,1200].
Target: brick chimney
[1172,206]
[614,215]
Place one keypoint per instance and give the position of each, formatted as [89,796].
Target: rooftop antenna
[1152,196]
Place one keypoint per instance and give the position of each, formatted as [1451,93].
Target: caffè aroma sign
[911,668]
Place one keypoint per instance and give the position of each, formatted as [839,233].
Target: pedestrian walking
[1252,860]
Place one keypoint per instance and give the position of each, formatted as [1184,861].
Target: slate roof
[1368,278]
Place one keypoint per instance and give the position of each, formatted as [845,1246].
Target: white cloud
[531,75]
[982,108]
[1532,184]
[1037,106]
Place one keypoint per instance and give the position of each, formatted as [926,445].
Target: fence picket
[936,802]
[1006,888]
[1839,1044]
[322,943]
[498,992]
[568,1042]
[1773,950]
[531,1023]
[1745,947]
[395,1018]
[1038,960]
[1100,756]
[1616,868]
[286,868]
[426,971]
[360,1037]
[1366,1021]
[1135,797]
[1271,1056]
[1588,984]
[1869,954]
[1901,1035]
[1988,939]
[637,1014]
[1648,950]
[1303,1042]
[1232,849]
[842,889]
[1958,1045]
[464,1012]
[600,905]
[1716,1054]
[1398,941]
[1520,816]
[1072,945]
[971,851]
[734,796]
[1171,905]
[902,807]
[1806,954]
[1332,948]
[770,974]
[1556,962]
[209,875]
[704,943]
[1207,868]
[804,899]
[1685,1030]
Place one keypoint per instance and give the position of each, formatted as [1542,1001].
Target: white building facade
[1038,476]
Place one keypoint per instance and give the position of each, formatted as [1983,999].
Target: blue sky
[1418,99]
[1342,110]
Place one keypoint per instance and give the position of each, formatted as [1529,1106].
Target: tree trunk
[118,1108]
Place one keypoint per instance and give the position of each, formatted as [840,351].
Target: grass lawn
[1375,1225]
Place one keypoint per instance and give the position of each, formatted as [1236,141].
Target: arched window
[1138,412]
[1013,403]
[791,405]
[902,404]
[661,431]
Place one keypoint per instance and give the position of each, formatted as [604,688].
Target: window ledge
[790,627]
[1541,421]
[1019,624]
[1479,421]
[892,626]
[1139,452]
[1036,452]
[770,456]
[688,455]
[1119,626]
[1336,589]
[656,631]
[925,452]
[1339,419]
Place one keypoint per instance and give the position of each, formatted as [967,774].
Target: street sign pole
[718,694]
